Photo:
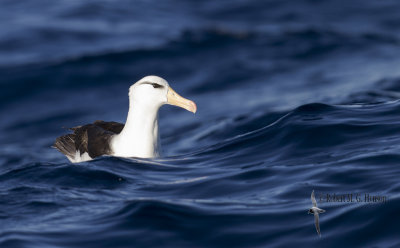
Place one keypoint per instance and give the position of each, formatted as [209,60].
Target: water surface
[292,97]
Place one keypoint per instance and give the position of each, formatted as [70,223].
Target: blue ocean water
[292,96]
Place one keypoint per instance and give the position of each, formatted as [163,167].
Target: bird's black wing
[111,126]
[93,139]
[66,145]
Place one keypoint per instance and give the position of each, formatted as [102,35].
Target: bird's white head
[153,92]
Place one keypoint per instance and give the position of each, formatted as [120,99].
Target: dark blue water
[292,97]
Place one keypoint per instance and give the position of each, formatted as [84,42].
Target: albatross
[138,137]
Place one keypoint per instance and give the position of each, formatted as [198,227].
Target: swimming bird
[138,137]
[316,211]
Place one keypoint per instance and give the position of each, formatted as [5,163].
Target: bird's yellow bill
[174,99]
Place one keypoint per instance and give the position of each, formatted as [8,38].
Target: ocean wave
[115,68]
[229,185]
[62,175]
[309,128]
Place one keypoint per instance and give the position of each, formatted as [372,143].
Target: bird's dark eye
[155,86]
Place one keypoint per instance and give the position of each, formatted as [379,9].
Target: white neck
[139,138]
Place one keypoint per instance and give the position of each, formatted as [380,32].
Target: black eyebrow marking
[155,85]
